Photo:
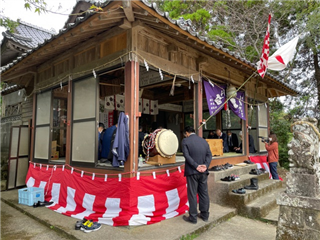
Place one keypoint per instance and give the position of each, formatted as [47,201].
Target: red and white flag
[263,64]
[280,59]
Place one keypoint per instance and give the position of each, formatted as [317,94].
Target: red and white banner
[263,63]
[113,201]
[261,162]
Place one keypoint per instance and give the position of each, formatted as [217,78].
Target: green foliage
[189,236]
[221,33]
[8,23]
[280,125]
[39,6]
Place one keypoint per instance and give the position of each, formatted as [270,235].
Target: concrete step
[171,229]
[262,206]
[272,217]
[219,190]
[236,170]
[240,228]
[265,187]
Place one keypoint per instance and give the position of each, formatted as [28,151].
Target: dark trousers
[273,170]
[197,183]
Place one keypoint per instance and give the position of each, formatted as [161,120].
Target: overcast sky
[14,9]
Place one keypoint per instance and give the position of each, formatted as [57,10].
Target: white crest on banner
[40,166]
[154,175]
[119,176]
[138,175]
[71,170]
[93,175]
[63,168]
[179,168]
[168,173]
[47,167]
[82,173]
[234,103]
[105,177]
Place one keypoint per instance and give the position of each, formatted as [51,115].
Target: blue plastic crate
[31,195]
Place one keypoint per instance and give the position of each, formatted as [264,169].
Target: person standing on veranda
[197,160]
[273,155]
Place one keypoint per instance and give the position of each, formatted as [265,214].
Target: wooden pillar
[245,132]
[33,124]
[131,91]
[69,120]
[197,107]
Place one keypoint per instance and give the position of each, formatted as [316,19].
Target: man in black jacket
[223,136]
[198,157]
[232,140]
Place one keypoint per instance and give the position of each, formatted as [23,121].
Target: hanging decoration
[216,97]
[146,65]
[120,202]
[173,85]
[161,75]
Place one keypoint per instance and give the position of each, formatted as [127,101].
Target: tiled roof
[28,35]
[185,25]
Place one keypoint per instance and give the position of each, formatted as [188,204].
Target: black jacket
[196,152]
[232,141]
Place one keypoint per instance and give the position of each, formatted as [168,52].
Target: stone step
[219,190]
[236,170]
[262,206]
[273,216]
[265,187]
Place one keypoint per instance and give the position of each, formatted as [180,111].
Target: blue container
[31,195]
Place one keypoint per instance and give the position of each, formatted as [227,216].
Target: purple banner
[216,97]
[237,106]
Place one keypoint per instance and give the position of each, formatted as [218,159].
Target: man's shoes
[215,168]
[187,219]
[204,219]
[228,179]
[228,165]
[248,162]
[42,204]
[239,191]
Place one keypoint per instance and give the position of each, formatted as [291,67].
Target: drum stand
[158,160]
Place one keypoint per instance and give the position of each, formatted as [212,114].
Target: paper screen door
[18,156]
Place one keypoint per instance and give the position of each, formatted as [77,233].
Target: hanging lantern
[231,91]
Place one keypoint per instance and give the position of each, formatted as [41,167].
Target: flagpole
[219,108]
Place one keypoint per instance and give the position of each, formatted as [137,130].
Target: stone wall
[299,216]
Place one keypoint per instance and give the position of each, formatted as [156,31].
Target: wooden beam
[125,24]
[127,8]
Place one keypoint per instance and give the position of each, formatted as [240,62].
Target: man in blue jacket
[197,160]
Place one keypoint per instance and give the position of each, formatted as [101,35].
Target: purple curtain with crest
[216,96]
[237,105]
